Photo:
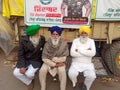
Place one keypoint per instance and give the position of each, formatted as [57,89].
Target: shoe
[77,87]
[55,79]
[83,87]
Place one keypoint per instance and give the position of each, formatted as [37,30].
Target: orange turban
[85,29]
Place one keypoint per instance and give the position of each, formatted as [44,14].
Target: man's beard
[35,40]
[55,41]
[83,39]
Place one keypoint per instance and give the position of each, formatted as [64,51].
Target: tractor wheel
[112,58]
[104,49]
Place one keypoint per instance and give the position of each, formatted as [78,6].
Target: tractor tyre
[112,58]
[104,49]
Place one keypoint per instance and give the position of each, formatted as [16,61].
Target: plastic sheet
[12,7]
[6,36]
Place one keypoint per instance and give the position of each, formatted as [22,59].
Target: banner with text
[108,10]
[64,13]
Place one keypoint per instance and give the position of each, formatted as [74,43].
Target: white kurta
[82,61]
[85,51]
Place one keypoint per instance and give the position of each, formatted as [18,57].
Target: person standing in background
[75,8]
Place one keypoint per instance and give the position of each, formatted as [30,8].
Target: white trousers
[28,76]
[88,71]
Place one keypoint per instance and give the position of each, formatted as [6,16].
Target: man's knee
[72,73]
[91,77]
[62,70]
[43,70]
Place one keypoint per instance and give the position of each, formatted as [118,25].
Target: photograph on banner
[108,10]
[64,13]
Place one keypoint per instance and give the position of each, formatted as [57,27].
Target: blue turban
[57,29]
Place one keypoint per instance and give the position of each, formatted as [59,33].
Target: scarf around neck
[51,50]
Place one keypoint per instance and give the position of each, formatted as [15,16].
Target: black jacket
[28,54]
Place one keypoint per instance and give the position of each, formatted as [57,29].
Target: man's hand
[76,50]
[89,49]
[22,70]
[59,64]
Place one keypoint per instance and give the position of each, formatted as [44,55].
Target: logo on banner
[45,2]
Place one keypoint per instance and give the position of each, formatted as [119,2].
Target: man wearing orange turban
[82,51]
[85,29]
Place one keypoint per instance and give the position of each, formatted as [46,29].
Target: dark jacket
[28,54]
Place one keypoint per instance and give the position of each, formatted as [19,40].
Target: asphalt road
[9,82]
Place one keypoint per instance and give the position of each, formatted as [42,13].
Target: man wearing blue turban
[57,29]
[54,56]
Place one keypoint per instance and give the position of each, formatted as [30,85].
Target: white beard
[83,40]
[55,41]
[34,40]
